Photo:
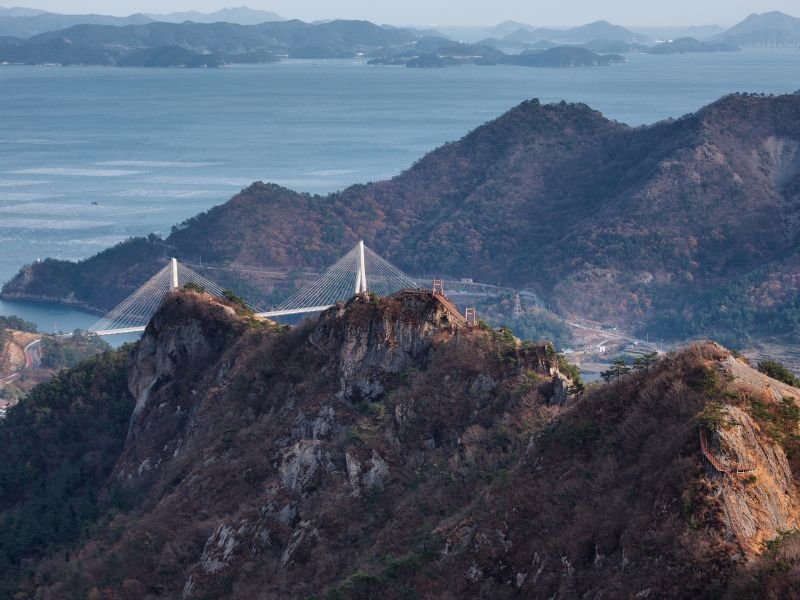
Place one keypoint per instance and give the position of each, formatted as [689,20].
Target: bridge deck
[293,311]
[104,332]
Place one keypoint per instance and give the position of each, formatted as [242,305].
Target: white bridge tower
[174,271]
[361,280]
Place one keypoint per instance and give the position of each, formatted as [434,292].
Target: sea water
[91,155]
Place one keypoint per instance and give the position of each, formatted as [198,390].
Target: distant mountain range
[191,44]
[240,16]
[699,32]
[616,47]
[28,25]
[25,22]
[178,39]
[20,12]
[767,30]
[773,29]
[599,30]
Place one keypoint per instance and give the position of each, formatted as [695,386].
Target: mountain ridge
[681,228]
[31,25]
[771,29]
[241,15]
[25,23]
[387,448]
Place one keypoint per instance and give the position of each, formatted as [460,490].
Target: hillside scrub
[386,449]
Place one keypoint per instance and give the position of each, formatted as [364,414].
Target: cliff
[682,228]
[388,450]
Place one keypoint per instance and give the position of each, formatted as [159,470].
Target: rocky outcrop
[762,501]
[387,450]
[271,462]
[167,372]
[302,464]
[371,340]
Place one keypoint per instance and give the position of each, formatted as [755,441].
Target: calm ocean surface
[92,155]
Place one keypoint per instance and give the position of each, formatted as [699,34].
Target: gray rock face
[561,389]
[323,426]
[175,339]
[219,548]
[158,356]
[371,475]
[303,464]
[369,342]
[170,359]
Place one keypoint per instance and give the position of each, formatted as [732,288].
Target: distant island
[450,54]
[200,44]
[239,37]
[768,30]
[598,30]
[685,45]
[194,45]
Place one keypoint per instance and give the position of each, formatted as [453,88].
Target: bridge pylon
[356,273]
[361,278]
[132,314]
[174,272]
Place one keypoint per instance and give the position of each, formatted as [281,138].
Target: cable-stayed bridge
[134,313]
[359,271]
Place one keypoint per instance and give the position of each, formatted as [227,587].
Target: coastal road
[29,360]
[612,336]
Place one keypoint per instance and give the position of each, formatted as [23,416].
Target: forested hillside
[686,227]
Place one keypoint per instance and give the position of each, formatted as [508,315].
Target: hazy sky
[463,12]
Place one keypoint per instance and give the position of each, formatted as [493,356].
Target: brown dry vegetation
[388,451]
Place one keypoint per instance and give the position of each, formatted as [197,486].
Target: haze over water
[90,156]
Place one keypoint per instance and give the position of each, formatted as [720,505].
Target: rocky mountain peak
[386,446]
[372,338]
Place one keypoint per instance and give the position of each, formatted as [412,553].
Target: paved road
[28,364]
[612,336]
